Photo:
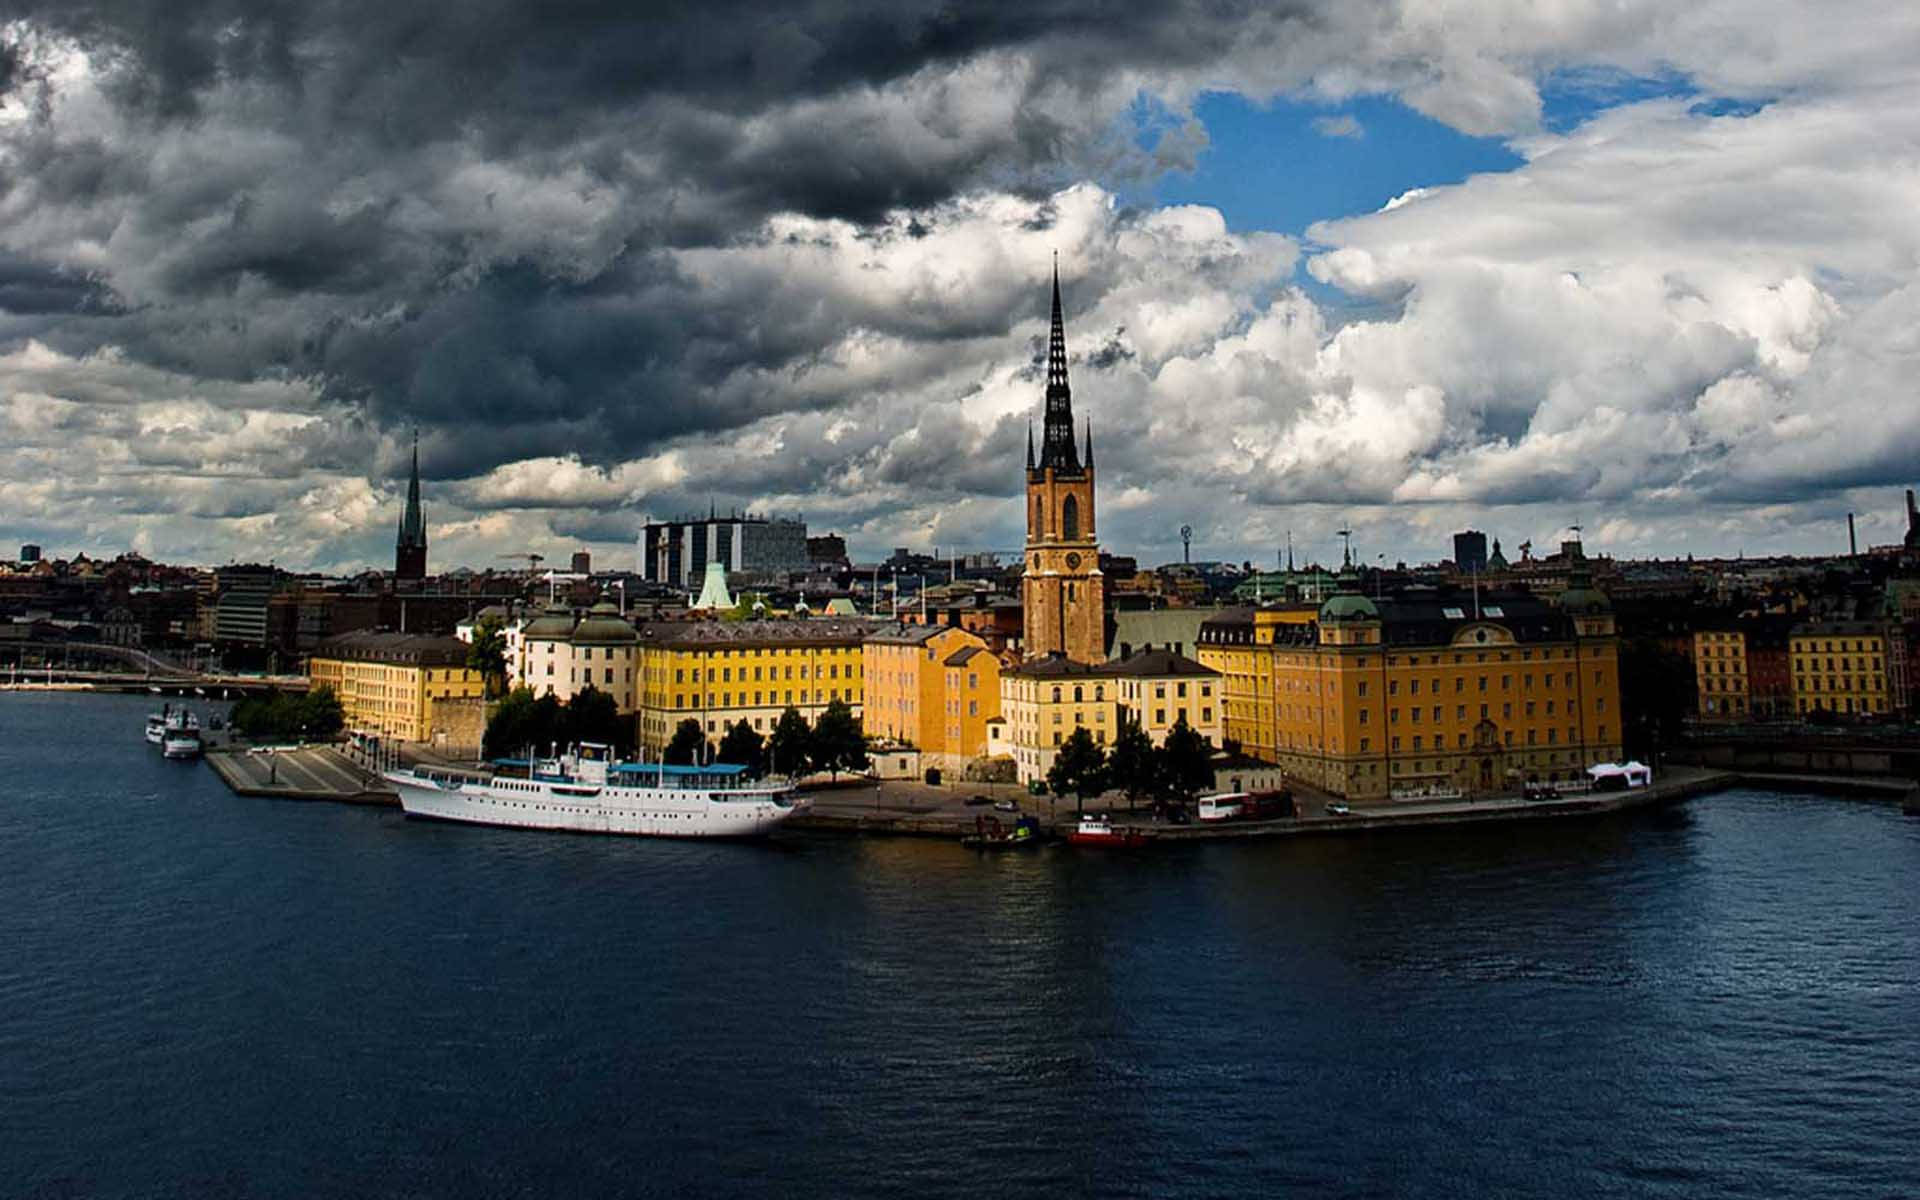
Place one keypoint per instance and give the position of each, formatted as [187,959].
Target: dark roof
[906,635]
[1157,663]
[810,631]
[409,649]
[1058,666]
[960,657]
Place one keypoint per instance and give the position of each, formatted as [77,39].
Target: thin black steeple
[413,526]
[1057,449]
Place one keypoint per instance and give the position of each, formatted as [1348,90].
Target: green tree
[1658,692]
[523,724]
[790,747]
[743,745]
[1186,762]
[592,716]
[837,744]
[319,714]
[488,655]
[1132,765]
[688,742]
[1079,767]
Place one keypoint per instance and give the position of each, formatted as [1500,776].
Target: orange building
[1405,695]
[933,687]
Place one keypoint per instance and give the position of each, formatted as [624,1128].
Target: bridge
[179,684]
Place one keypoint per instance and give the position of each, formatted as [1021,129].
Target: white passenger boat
[585,791]
[156,728]
[181,743]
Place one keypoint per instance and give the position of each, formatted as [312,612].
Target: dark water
[202,995]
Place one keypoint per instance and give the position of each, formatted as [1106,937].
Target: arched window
[1077,693]
[1039,516]
[1056,694]
[1099,694]
[1070,519]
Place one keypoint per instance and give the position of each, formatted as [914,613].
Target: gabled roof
[1158,663]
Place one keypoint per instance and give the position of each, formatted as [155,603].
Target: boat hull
[624,811]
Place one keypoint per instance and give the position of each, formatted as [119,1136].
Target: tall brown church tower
[1062,591]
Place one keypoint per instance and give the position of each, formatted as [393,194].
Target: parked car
[1337,808]
[976,801]
[1006,806]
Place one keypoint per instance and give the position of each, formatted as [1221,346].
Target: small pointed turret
[1089,443]
[1029,443]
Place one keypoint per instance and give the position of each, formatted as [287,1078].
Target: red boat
[1099,831]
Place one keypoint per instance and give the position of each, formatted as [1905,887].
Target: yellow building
[720,673]
[1421,691]
[388,683]
[1720,672]
[933,687]
[1239,645]
[1044,700]
[1840,667]
[1158,689]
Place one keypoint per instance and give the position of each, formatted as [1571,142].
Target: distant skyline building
[30,553]
[410,548]
[676,553]
[1470,550]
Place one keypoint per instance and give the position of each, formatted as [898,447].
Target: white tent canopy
[1637,774]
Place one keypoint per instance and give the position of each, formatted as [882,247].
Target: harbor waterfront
[213,994]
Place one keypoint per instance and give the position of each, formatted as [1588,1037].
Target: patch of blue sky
[1283,165]
[1573,96]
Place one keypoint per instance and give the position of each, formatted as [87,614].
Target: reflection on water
[203,994]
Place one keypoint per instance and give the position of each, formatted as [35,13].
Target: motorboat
[1098,830]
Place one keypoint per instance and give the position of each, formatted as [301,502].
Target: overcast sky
[1410,266]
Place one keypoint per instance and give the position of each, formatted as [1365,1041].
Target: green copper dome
[555,624]
[604,626]
[1349,606]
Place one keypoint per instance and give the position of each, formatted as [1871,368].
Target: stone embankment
[298,773]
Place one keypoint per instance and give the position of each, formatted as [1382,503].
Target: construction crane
[533,560]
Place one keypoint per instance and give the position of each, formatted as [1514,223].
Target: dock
[299,773]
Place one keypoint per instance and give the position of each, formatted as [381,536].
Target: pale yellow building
[389,683]
[1044,700]
[557,655]
[720,673]
[1840,667]
[1158,689]
[1720,675]
[1424,690]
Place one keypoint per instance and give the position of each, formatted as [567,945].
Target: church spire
[1029,443]
[410,549]
[1089,443]
[1057,449]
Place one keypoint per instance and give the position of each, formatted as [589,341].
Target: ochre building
[720,673]
[389,683]
[932,687]
[1840,667]
[1423,690]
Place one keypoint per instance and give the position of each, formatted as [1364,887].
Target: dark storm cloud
[236,251]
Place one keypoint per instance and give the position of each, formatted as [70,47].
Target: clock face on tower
[1073,561]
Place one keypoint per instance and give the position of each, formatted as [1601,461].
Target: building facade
[557,655]
[1422,690]
[1158,689]
[1721,675]
[389,683]
[676,553]
[932,687]
[1062,590]
[1840,667]
[719,673]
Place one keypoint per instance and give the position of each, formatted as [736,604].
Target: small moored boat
[1099,831]
[988,835]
